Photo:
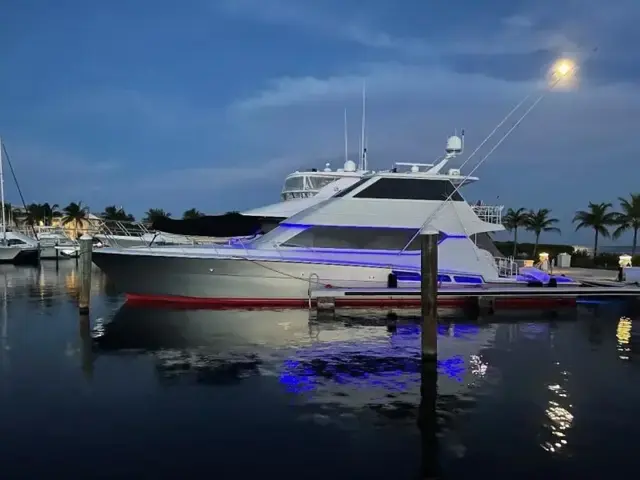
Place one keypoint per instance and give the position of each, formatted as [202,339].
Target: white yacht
[355,238]
[18,249]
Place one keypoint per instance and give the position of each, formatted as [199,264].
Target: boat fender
[392,280]
[553,282]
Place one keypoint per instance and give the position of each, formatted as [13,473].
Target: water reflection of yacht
[318,357]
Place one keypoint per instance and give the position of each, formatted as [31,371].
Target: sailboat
[14,248]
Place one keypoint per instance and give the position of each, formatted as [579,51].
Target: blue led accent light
[467,279]
[406,276]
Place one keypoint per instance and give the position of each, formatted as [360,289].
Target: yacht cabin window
[410,189]
[357,238]
[294,183]
[309,182]
[316,183]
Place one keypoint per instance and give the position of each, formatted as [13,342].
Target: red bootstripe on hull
[342,302]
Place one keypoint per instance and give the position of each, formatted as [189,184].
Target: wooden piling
[429,294]
[427,419]
[84,297]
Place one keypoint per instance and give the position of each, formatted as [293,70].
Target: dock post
[429,295]
[84,297]
[427,417]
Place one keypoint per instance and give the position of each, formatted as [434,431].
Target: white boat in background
[55,244]
[14,247]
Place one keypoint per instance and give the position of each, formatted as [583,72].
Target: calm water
[182,394]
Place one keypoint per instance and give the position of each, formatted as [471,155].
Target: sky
[211,103]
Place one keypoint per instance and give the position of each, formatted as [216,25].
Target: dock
[509,296]
[590,276]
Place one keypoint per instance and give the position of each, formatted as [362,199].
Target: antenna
[363,152]
[346,138]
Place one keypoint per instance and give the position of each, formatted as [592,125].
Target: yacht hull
[19,255]
[220,280]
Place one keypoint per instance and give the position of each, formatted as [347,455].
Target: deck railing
[507,267]
[489,213]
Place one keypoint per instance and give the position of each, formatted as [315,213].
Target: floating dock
[509,296]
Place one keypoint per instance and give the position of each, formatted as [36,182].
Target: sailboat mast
[4,220]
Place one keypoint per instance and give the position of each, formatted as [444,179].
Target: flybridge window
[294,183]
[360,238]
[410,189]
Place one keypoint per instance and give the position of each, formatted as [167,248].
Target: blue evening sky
[210,103]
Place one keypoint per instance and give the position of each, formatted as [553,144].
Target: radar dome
[349,166]
[454,144]
[327,167]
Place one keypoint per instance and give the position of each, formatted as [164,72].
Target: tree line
[600,217]
[77,213]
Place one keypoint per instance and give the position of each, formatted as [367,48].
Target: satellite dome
[349,166]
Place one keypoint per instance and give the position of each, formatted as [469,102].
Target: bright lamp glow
[562,74]
[563,67]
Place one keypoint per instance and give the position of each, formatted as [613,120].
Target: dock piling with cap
[84,296]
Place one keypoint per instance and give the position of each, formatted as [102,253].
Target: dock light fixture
[624,261]
[544,261]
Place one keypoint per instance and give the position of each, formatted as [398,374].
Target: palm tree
[191,214]
[597,217]
[629,219]
[49,211]
[75,214]
[35,214]
[117,213]
[154,214]
[513,220]
[538,222]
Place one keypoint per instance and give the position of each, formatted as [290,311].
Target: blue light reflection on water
[392,363]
